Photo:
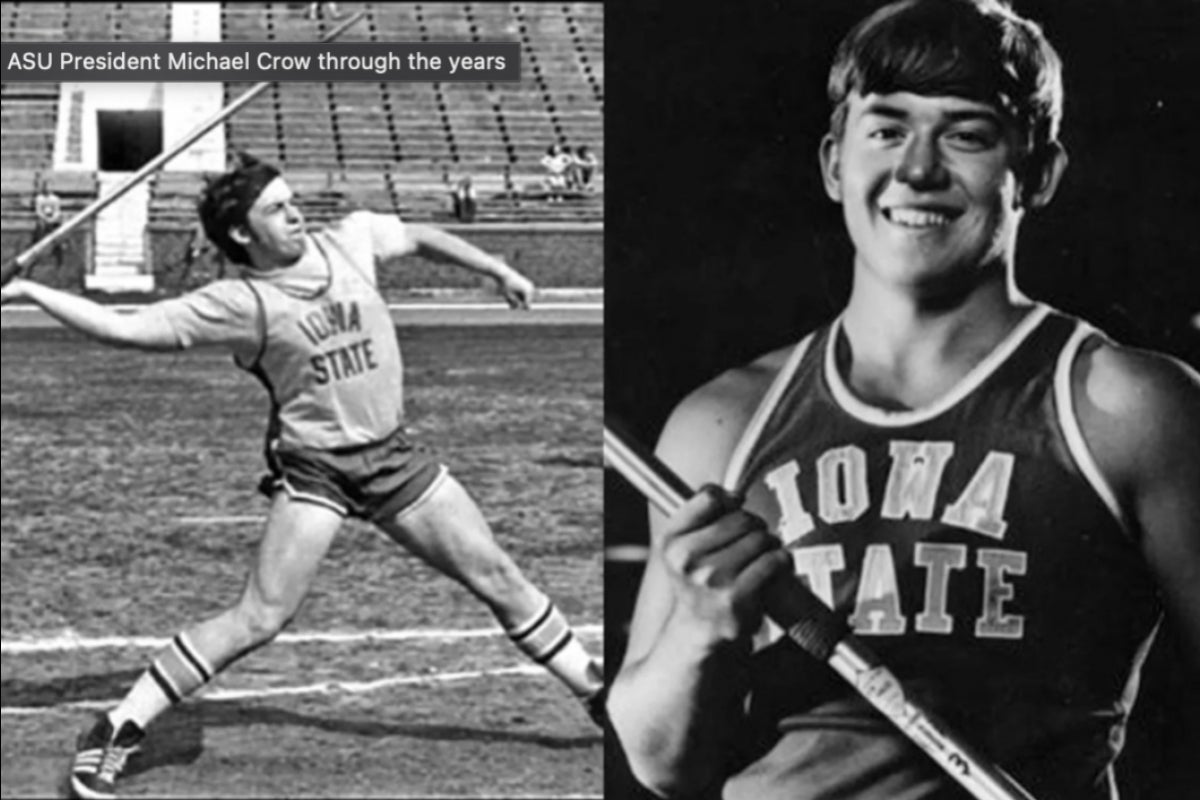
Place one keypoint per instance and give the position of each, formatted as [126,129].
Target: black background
[721,244]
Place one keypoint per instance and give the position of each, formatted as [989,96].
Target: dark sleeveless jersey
[975,547]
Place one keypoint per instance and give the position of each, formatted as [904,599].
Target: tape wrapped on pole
[31,254]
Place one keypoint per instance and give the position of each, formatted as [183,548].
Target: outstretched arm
[136,329]
[440,245]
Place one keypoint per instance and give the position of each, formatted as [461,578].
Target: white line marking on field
[69,641]
[244,520]
[327,687]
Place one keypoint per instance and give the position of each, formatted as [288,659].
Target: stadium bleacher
[389,145]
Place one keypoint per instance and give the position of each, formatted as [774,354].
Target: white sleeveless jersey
[317,334]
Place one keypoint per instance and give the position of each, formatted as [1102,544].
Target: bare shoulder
[1140,414]
[705,428]
[1139,410]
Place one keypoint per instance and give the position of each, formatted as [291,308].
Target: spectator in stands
[323,10]
[464,199]
[556,161]
[47,214]
[572,175]
[584,165]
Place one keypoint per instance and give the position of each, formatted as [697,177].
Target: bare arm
[136,329]
[440,245]
[677,703]
[1140,414]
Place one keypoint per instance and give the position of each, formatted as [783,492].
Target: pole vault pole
[35,251]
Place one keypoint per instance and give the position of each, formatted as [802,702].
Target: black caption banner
[154,62]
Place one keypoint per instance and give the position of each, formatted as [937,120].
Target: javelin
[812,626]
[35,251]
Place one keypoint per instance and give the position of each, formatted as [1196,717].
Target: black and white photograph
[902,407]
[302,403]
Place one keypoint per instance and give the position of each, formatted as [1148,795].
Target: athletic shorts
[373,482]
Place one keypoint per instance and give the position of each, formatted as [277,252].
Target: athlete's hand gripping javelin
[13,290]
[719,560]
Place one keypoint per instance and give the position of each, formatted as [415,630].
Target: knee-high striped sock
[178,671]
[547,638]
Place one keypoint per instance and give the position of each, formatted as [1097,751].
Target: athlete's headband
[228,198]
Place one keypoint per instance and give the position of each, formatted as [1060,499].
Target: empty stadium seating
[384,145]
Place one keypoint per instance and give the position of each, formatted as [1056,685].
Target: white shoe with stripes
[100,758]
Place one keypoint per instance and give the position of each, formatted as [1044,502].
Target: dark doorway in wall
[128,139]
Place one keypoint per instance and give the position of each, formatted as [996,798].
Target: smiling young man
[307,320]
[997,498]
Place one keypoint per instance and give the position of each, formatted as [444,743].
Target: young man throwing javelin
[307,320]
[1001,501]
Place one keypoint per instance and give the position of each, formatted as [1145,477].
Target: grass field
[129,511]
